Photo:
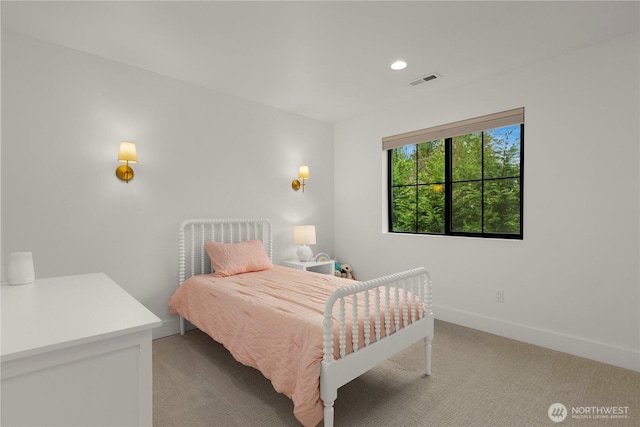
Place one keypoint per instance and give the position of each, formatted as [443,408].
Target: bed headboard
[193,233]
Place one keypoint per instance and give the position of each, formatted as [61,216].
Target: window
[464,184]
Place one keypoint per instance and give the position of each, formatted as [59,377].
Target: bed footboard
[398,306]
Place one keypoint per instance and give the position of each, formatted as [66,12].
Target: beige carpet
[478,379]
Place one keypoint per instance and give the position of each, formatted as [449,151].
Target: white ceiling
[324,60]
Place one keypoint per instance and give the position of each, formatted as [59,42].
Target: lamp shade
[127,152]
[21,270]
[303,172]
[304,235]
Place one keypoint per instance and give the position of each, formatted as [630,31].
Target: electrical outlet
[500,295]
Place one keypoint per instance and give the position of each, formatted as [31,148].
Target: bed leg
[328,413]
[181,325]
[427,356]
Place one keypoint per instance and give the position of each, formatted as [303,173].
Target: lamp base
[304,253]
[125,173]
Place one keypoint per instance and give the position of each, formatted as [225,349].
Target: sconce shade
[303,172]
[21,270]
[127,152]
[304,235]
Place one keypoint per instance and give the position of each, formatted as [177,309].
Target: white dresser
[75,351]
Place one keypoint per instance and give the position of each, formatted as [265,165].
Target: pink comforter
[270,320]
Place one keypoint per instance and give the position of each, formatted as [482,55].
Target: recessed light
[399,65]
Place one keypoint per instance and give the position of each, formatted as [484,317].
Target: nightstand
[324,267]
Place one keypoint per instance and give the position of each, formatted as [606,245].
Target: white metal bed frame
[399,293]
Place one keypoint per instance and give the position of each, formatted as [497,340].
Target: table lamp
[304,235]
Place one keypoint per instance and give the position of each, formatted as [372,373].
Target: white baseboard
[170,327]
[617,356]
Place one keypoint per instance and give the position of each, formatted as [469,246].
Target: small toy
[337,271]
[345,270]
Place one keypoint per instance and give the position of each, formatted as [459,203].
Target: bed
[309,333]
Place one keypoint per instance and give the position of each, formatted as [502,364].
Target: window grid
[448,189]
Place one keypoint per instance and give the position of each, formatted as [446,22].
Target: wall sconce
[127,154]
[304,235]
[303,173]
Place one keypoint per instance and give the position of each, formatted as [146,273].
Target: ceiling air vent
[425,79]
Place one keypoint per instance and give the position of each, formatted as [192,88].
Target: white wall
[201,154]
[572,284]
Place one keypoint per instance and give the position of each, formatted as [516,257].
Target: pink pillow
[235,258]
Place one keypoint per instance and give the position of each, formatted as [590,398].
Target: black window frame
[448,195]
